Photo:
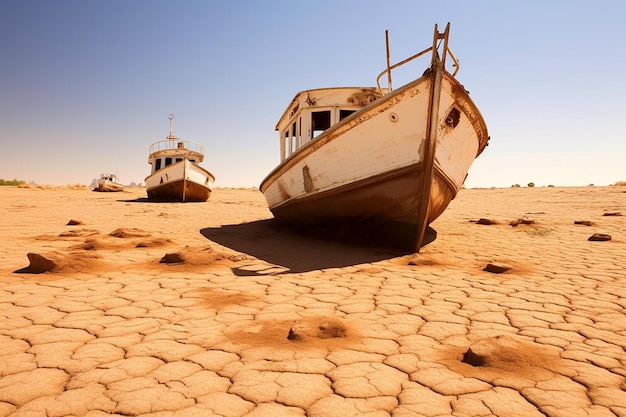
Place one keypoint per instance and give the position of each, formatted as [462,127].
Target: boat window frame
[344,113]
[284,150]
[325,119]
[293,139]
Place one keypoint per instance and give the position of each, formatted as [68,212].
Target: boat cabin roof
[173,146]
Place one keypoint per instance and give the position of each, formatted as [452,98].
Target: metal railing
[175,143]
[411,58]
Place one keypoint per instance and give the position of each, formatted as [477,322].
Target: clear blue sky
[87,86]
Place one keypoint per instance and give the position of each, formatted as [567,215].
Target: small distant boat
[376,163]
[176,174]
[109,183]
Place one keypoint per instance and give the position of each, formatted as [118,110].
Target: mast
[171,136]
[388,63]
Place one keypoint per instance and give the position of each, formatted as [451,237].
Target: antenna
[171,117]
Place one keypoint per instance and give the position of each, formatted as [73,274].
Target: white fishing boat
[176,174]
[378,163]
[109,183]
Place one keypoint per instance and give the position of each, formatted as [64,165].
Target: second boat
[176,174]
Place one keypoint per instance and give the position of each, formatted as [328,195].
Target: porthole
[453,117]
[393,117]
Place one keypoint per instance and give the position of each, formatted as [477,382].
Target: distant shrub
[515,186]
[13,182]
[54,187]
[539,231]
[622,183]
[550,185]
[531,184]
[77,186]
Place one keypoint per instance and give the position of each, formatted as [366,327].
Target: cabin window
[320,121]
[294,138]
[168,161]
[179,159]
[193,161]
[345,113]
[157,165]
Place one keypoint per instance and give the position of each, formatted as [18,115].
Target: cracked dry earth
[246,319]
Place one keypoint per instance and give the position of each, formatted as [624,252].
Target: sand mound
[492,358]
[320,328]
[328,328]
[105,243]
[39,264]
[90,244]
[320,332]
[505,352]
[80,233]
[57,262]
[153,243]
[128,233]
[202,256]
[497,267]
[173,258]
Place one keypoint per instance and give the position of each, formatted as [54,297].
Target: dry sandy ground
[209,309]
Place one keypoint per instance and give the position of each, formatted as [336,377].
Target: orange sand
[209,309]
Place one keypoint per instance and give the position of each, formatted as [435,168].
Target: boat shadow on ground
[146,200]
[135,200]
[295,249]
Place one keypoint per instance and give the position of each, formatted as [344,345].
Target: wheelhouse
[173,150]
[109,177]
[312,112]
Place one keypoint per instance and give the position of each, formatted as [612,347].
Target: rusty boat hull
[181,182]
[179,191]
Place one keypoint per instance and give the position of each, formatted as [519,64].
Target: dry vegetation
[56,187]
